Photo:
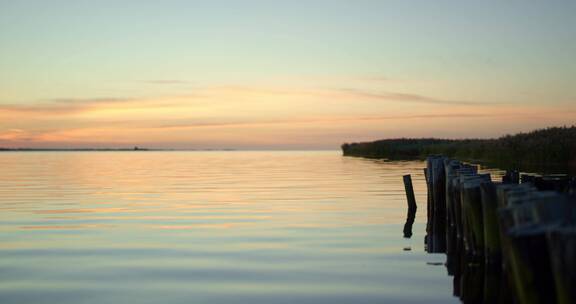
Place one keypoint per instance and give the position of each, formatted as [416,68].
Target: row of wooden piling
[521,230]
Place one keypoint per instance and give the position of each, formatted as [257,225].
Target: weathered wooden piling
[571,186]
[411,206]
[543,208]
[472,218]
[530,265]
[511,177]
[438,182]
[437,212]
[503,190]
[428,237]
[529,276]
[410,194]
[462,227]
[492,249]
[457,208]
[450,167]
[518,235]
[526,221]
[527,178]
[472,283]
[461,175]
[562,248]
[554,182]
[495,285]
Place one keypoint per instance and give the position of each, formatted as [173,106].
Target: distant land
[103,149]
[74,149]
[550,150]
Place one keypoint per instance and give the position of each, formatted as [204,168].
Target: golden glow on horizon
[267,116]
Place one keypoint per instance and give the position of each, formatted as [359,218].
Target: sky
[281,74]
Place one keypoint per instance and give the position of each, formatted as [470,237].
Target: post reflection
[476,282]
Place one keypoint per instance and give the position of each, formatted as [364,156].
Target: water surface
[212,227]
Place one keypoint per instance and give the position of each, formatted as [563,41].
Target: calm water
[211,227]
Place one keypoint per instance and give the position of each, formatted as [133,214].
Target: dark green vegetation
[545,150]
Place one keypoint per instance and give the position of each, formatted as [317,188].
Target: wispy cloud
[16,135]
[97,100]
[166,81]
[61,105]
[407,97]
[326,119]
[226,95]
[380,79]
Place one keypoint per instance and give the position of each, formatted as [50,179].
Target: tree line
[544,150]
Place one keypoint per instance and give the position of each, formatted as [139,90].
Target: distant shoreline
[102,150]
[3,149]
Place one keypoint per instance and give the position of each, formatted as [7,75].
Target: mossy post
[527,220]
[452,248]
[472,282]
[492,248]
[463,175]
[494,285]
[554,182]
[530,266]
[457,206]
[472,214]
[562,248]
[505,223]
[437,189]
[511,177]
[439,180]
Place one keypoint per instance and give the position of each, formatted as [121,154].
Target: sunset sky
[280,74]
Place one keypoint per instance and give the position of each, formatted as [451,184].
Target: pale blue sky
[513,52]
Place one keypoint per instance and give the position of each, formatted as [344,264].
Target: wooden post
[472,280]
[430,226]
[472,214]
[526,236]
[411,206]
[438,180]
[555,182]
[409,194]
[572,186]
[457,184]
[494,285]
[511,177]
[526,178]
[530,265]
[526,221]
[452,250]
[492,249]
[515,177]
[428,237]
[562,248]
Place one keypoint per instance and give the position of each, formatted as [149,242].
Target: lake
[212,227]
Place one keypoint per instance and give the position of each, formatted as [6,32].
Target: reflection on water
[211,227]
[477,282]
